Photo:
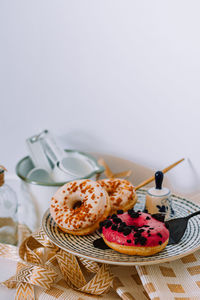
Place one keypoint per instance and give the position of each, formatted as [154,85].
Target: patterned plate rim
[123,263]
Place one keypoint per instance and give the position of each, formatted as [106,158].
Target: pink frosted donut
[121,192]
[78,206]
[135,233]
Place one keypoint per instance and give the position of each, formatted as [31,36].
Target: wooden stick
[153,177]
[107,171]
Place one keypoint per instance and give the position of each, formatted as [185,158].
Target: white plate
[83,245]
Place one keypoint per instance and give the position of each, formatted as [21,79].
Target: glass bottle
[8,212]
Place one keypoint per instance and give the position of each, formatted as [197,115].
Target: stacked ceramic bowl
[41,185]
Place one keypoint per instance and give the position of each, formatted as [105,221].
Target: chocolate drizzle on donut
[126,230]
[116,224]
[142,240]
[114,227]
[138,233]
[133,214]
[117,220]
[108,224]
[113,216]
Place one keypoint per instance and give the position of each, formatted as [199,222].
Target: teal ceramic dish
[25,165]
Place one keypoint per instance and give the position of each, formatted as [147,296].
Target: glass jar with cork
[8,212]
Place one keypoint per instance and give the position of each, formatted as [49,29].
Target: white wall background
[119,77]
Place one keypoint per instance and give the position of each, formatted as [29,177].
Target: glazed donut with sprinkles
[121,192]
[134,233]
[79,206]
